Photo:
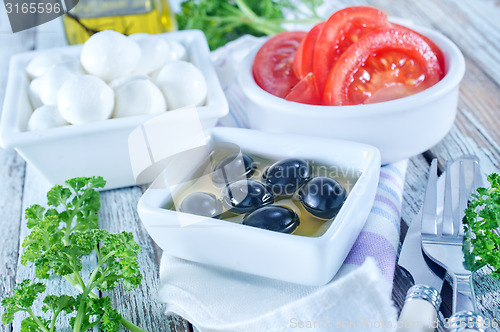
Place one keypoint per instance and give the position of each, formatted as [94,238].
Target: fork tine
[464,191]
[478,178]
[446,249]
[447,226]
[475,182]
[429,215]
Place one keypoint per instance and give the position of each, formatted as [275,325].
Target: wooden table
[471,24]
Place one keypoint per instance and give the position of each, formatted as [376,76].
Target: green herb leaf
[25,293]
[481,244]
[223,21]
[31,324]
[119,252]
[59,303]
[60,237]
[97,311]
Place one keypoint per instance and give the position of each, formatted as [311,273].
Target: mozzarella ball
[177,51]
[154,54]
[74,65]
[138,97]
[44,62]
[109,55]
[182,84]
[154,75]
[45,117]
[51,82]
[85,99]
[139,35]
[34,93]
[125,79]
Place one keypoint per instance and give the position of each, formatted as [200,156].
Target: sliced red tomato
[303,60]
[306,91]
[340,31]
[272,66]
[437,50]
[383,65]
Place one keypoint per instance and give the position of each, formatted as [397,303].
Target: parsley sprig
[481,244]
[61,235]
[223,21]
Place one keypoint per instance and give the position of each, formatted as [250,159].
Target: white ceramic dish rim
[11,136]
[374,158]
[455,70]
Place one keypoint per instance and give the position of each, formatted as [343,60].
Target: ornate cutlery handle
[463,294]
[420,310]
[465,321]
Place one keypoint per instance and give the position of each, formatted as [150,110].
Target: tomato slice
[340,31]
[435,49]
[303,60]
[306,91]
[385,64]
[272,66]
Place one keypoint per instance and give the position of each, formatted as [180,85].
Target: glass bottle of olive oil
[125,16]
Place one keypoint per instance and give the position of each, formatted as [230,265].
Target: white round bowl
[400,128]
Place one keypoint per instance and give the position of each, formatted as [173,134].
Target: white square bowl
[99,148]
[292,258]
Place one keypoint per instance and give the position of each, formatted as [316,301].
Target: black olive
[273,218]
[202,204]
[284,177]
[245,196]
[233,167]
[322,197]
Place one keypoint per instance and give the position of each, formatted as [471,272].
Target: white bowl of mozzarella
[68,111]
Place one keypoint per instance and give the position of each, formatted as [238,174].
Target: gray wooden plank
[11,185]
[486,9]
[488,296]
[12,169]
[141,305]
[473,132]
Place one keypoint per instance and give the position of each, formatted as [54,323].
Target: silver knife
[421,309]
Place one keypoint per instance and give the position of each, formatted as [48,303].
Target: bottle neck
[109,8]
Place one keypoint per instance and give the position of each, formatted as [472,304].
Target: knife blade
[420,311]
[412,259]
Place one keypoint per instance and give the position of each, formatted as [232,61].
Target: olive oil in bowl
[310,225]
[125,16]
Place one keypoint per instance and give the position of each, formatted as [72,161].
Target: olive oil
[310,225]
[124,16]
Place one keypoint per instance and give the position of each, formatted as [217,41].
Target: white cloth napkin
[359,297]
[218,300]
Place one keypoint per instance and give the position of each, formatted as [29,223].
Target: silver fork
[442,236]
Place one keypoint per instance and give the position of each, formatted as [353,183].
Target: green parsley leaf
[25,293]
[481,244]
[223,21]
[61,235]
[34,324]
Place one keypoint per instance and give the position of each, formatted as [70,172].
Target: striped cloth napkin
[359,296]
